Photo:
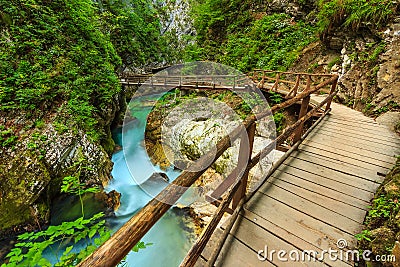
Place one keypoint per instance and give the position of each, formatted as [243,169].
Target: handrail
[123,240]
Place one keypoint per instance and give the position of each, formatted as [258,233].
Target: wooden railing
[233,188]
[235,82]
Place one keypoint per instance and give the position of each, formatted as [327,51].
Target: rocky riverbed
[179,134]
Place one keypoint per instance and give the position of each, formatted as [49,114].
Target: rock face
[373,84]
[31,171]
[390,119]
[388,76]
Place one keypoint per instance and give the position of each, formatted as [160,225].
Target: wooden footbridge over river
[312,200]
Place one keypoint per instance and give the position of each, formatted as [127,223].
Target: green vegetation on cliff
[250,34]
[231,32]
[59,92]
[353,14]
[65,54]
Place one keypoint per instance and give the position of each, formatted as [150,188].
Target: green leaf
[92,232]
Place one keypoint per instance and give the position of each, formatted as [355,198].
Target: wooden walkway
[317,196]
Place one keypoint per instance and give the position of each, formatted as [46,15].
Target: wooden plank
[332,174]
[201,242]
[372,130]
[344,209]
[352,152]
[343,188]
[200,262]
[310,208]
[235,253]
[370,127]
[312,230]
[350,158]
[209,248]
[351,117]
[318,189]
[331,139]
[385,144]
[361,133]
[291,238]
[257,238]
[342,167]
[326,156]
[356,121]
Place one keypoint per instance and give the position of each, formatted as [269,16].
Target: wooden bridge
[313,199]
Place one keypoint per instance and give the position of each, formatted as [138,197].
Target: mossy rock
[383,240]
[22,181]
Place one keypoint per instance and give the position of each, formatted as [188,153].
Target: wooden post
[333,88]
[244,159]
[195,252]
[275,86]
[234,82]
[303,111]
[296,86]
[255,76]
[263,79]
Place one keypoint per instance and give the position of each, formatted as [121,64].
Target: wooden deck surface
[317,196]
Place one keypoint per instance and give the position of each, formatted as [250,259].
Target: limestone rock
[390,119]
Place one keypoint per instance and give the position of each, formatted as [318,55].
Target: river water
[171,236]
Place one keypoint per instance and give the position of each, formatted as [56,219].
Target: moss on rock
[24,178]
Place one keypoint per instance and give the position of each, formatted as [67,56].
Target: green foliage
[90,232]
[72,185]
[272,42]
[353,14]
[214,19]
[67,52]
[274,97]
[141,245]
[383,207]
[31,245]
[390,106]
[334,61]
[135,31]
[55,51]
[364,235]
[7,137]
[279,119]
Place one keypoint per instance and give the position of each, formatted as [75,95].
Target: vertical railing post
[255,76]
[263,79]
[303,111]
[296,86]
[213,81]
[333,88]
[243,160]
[275,86]
[234,82]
